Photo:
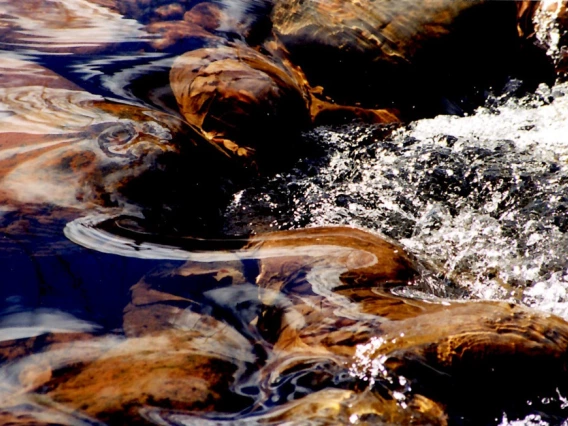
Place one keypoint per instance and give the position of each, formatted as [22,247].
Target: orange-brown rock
[337,284]
[381,52]
[330,320]
[169,370]
[64,147]
[172,359]
[329,113]
[338,305]
[58,27]
[207,15]
[463,336]
[365,259]
[240,99]
[336,298]
[496,353]
[525,17]
[339,407]
[84,165]
[172,32]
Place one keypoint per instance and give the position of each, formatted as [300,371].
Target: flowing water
[94,293]
[483,198]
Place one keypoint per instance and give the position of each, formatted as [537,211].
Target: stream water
[93,292]
[482,198]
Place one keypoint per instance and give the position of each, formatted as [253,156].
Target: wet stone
[173,33]
[207,15]
[323,317]
[143,119]
[226,93]
[171,11]
[402,44]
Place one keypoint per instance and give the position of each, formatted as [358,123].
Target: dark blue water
[43,270]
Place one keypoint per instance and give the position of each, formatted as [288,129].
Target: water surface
[114,310]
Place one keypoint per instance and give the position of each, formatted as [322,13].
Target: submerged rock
[63,147]
[266,65]
[326,311]
[333,325]
[173,371]
[233,93]
[333,407]
[171,358]
[410,54]
[551,33]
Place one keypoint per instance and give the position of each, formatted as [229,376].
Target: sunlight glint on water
[483,199]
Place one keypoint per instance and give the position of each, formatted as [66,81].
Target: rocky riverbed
[202,224]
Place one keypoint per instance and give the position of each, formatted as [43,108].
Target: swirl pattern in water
[276,212]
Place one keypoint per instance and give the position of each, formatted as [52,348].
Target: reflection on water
[64,26]
[121,302]
[35,323]
[285,328]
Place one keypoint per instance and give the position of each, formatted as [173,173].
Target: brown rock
[329,113]
[525,16]
[340,407]
[327,295]
[382,51]
[161,371]
[68,148]
[494,352]
[152,311]
[173,359]
[169,12]
[365,259]
[172,32]
[242,101]
[327,313]
[333,278]
[207,15]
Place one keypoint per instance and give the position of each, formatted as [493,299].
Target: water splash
[482,199]
[530,420]
[547,29]
[369,365]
